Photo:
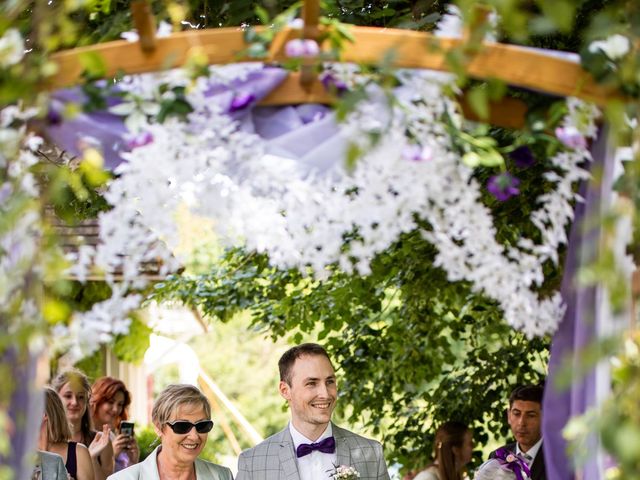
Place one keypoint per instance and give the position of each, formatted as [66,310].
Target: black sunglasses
[182,426]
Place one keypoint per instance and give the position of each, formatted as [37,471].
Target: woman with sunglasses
[181,417]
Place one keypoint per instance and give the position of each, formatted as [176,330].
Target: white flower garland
[299,216]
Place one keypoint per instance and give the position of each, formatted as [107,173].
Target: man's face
[525,418]
[311,395]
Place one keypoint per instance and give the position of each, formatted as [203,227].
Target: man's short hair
[288,358]
[527,393]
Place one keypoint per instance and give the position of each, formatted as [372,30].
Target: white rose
[614,47]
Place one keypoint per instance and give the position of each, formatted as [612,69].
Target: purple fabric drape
[109,132]
[579,327]
[25,410]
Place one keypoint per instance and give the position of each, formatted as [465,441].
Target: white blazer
[148,470]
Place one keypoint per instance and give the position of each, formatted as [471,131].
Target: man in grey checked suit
[311,446]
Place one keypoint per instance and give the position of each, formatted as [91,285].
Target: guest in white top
[181,417]
[452,451]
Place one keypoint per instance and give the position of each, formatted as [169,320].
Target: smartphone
[126,428]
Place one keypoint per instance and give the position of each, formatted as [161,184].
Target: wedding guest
[181,417]
[311,447]
[453,447]
[108,404]
[525,420]
[54,438]
[49,466]
[74,390]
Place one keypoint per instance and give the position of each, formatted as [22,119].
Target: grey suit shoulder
[274,458]
[52,466]
[148,470]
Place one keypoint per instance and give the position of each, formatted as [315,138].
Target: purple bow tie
[328,445]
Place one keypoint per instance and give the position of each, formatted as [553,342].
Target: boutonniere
[343,472]
[510,461]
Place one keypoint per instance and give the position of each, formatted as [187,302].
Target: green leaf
[93,64]
[479,101]
[262,15]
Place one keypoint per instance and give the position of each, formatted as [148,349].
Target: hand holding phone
[126,428]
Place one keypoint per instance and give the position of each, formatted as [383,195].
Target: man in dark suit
[525,419]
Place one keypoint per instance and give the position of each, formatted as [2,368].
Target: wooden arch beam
[515,65]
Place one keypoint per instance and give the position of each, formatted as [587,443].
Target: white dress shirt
[316,465]
[532,452]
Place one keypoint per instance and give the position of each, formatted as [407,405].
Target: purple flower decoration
[510,461]
[140,140]
[5,192]
[503,186]
[332,83]
[571,137]
[301,48]
[417,153]
[54,117]
[523,157]
[240,101]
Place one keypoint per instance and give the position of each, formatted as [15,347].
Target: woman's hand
[100,442]
[133,451]
[127,444]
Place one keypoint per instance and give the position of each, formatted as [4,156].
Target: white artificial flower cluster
[22,223]
[308,218]
[11,48]
[615,47]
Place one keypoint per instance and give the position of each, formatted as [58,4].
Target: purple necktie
[328,445]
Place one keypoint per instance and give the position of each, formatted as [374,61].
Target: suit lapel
[537,468]
[343,453]
[287,455]
[149,467]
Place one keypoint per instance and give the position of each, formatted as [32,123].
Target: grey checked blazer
[148,470]
[275,459]
[52,466]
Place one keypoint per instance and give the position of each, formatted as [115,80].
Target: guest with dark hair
[74,390]
[54,438]
[109,402]
[311,446]
[453,447]
[525,420]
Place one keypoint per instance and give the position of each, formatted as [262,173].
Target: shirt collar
[533,451]
[299,438]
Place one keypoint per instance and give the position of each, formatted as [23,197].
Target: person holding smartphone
[109,402]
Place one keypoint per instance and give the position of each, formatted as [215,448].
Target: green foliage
[412,348]
[131,347]
[93,365]
[147,440]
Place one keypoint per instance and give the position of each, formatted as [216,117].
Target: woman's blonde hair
[58,429]
[175,396]
[76,376]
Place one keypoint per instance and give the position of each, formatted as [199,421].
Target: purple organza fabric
[579,327]
[302,132]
